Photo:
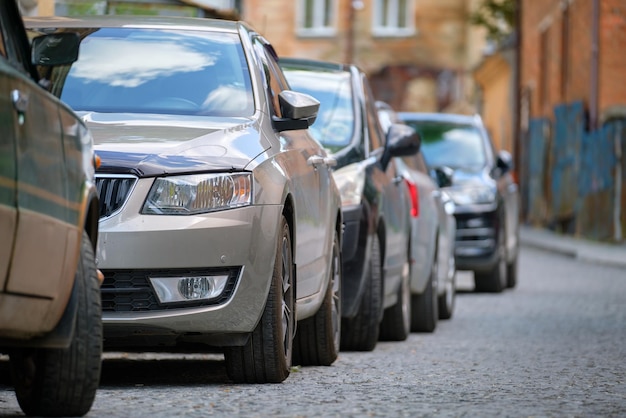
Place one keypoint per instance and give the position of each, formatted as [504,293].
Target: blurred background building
[546,76]
[572,115]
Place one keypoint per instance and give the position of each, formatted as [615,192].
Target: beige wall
[495,76]
[443,41]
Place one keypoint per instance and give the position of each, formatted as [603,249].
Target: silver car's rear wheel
[317,339]
[447,300]
[424,306]
[396,324]
[266,357]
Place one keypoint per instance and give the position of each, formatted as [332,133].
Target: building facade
[417,53]
[572,114]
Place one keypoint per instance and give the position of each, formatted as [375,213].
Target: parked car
[220,219]
[433,230]
[375,200]
[50,313]
[485,195]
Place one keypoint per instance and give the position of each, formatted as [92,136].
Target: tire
[361,332]
[266,357]
[495,280]
[511,274]
[447,300]
[396,324]
[63,382]
[424,307]
[317,340]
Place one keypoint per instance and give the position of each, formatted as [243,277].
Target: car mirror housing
[402,140]
[504,161]
[55,49]
[443,176]
[299,111]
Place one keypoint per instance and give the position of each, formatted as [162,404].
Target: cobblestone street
[554,346]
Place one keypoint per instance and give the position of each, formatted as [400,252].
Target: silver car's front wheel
[266,357]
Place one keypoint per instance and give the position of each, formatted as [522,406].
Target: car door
[428,219]
[8,197]
[396,203]
[310,174]
[42,229]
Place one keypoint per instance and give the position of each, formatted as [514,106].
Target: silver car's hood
[471,177]
[153,145]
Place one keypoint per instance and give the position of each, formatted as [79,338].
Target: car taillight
[415,201]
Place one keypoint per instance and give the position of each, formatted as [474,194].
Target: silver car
[220,220]
[433,234]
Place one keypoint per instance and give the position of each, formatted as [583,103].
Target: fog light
[182,289]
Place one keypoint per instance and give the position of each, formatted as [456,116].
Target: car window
[376,137]
[449,144]
[127,70]
[9,45]
[334,126]
[2,48]
[273,75]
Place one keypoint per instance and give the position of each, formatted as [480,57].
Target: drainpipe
[617,209]
[517,81]
[593,94]
[349,54]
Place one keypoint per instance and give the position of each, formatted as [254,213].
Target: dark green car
[50,312]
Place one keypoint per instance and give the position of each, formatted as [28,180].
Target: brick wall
[613,54]
[443,42]
[571,57]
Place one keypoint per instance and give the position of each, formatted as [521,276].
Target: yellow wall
[495,78]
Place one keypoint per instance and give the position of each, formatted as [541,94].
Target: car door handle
[20,101]
[330,161]
[398,179]
[315,160]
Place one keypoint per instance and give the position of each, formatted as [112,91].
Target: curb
[613,255]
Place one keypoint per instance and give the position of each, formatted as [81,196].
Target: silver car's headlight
[448,203]
[350,181]
[472,195]
[199,193]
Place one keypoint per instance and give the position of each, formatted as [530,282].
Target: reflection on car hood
[471,177]
[152,145]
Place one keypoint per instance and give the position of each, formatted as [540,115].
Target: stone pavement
[581,249]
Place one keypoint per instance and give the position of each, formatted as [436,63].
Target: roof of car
[440,117]
[111,21]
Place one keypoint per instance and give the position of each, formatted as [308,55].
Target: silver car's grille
[131,291]
[113,192]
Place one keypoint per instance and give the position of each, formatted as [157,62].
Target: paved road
[553,347]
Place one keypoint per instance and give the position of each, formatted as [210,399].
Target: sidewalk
[584,250]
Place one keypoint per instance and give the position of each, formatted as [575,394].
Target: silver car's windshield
[452,145]
[125,70]
[334,126]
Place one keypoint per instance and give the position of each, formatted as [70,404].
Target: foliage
[497,16]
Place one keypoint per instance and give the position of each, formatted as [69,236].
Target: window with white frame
[316,17]
[393,18]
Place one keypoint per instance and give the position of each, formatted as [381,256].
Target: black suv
[50,314]
[484,192]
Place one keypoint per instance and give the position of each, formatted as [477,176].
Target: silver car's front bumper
[240,240]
